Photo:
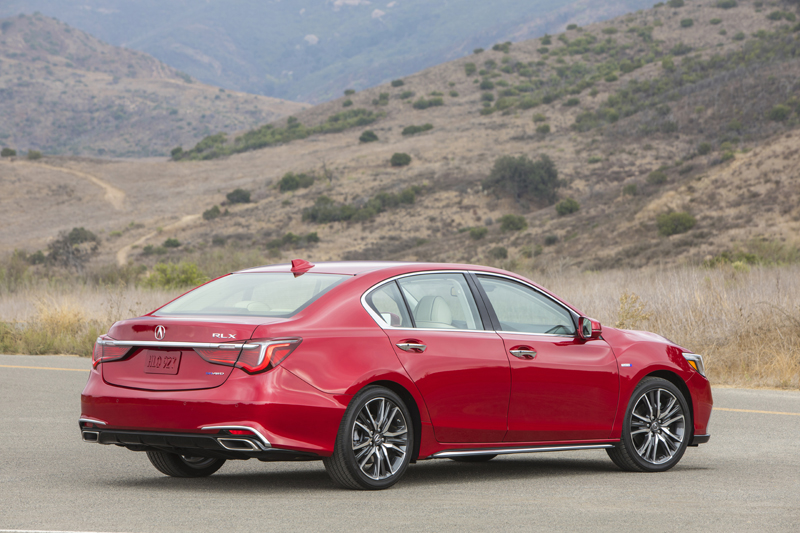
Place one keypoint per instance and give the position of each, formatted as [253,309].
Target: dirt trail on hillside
[122,254]
[114,196]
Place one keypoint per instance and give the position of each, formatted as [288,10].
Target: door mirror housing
[589,328]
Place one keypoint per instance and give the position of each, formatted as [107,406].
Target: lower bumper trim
[700,439]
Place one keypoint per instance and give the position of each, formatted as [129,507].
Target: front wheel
[176,465]
[656,429]
[374,443]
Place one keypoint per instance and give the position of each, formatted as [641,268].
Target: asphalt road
[747,478]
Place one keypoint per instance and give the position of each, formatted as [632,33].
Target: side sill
[446,454]
[700,439]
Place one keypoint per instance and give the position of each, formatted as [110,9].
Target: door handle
[523,352]
[413,347]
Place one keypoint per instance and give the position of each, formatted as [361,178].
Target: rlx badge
[223,336]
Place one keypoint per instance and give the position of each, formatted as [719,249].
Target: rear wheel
[176,465]
[656,429]
[374,443]
[474,458]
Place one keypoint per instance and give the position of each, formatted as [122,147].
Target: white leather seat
[433,312]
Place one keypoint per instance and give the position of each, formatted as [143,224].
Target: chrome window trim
[159,344]
[381,324]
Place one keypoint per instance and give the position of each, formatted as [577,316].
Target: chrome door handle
[412,347]
[523,354]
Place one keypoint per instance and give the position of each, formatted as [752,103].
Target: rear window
[253,294]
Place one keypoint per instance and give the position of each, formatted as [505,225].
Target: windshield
[253,294]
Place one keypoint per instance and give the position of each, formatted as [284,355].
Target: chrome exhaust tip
[238,445]
[91,436]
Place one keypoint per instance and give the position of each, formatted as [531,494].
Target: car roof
[354,268]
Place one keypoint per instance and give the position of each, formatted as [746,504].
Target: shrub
[171,243]
[486,85]
[422,103]
[674,223]
[33,155]
[726,4]
[413,130]
[546,40]
[368,136]
[739,36]
[406,94]
[611,77]
[347,103]
[543,50]
[291,182]
[498,252]
[478,51]
[398,83]
[175,276]
[348,92]
[657,177]
[779,113]
[680,49]
[176,152]
[687,23]
[470,68]
[211,214]
[538,117]
[611,30]
[543,129]
[238,196]
[714,22]
[382,99]
[572,102]
[704,148]
[502,47]
[513,223]
[487,97]
[478,233]
[675,3]
[727,156]
[8,152]
[550,240]
[291,240]
[595,159]
[567,206]
[524,179]
[572,26]
[400,159]
[630,190]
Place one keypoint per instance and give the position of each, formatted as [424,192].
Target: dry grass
[745,322]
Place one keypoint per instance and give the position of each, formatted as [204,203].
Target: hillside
[64,92]
[647,115]
[312,51]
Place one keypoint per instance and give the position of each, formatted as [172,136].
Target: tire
[374,443]
[176,465]
[656,430]
[474,458]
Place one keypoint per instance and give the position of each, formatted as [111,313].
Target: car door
[562,387]
[459,367]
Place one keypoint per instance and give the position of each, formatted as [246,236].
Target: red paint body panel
[193,372]
[569,391]
[469,393]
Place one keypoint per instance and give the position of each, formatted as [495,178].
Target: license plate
[161,362]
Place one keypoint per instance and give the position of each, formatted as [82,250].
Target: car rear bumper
[699,439]
[281,411]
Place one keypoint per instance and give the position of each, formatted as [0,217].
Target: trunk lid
[172,362]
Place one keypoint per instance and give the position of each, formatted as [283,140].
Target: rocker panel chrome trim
[508,451]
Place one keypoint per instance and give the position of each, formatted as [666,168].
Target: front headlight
[696,362]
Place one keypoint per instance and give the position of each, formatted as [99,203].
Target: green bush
[211,214]
[538,117]
[291,182]
[704,148]
[546,40]
[348,92]
[543,50]
[740,36]
[171,243]
[486,85]
[543,129]
[675,3]
[487,97]
[368,136]
[470,68]
[727,156]
[478,51]
[611,30]
[238,196]
[382,99]
[595,159]
[454,94]
[177,153]
[175,276]
[523,178]
[657,177]
[400,159]
[502,47]
[779,113]
[33,155]
[550,240]
[326,210]
[687,23]
[8,152]
[478,233]
[714,22]
[630,190]
[572,27]
[397,83]
[567,206]
[674,223]
[513,223]
[422,103]
[726,4]
[775,15]
[413,130]
[572,102]
[498,252]
[406,94]
[347,103]
[611,77]
[290,240]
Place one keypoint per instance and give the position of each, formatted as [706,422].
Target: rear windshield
[253,294]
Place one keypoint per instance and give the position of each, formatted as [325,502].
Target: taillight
[105,351]
[221,355]
[262,356]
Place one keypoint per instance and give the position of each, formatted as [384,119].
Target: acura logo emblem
[160,331]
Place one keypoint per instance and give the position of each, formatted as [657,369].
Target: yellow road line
[47,368]
[752,411]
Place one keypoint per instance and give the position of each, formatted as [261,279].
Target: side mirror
[589,329]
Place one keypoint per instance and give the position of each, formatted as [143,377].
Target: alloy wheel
[657,426]
[380,438]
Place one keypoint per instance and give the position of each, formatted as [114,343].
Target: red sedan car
[370,366]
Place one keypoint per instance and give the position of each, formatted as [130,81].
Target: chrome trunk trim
[201,345]
[508,451]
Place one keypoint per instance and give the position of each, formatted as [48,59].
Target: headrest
[433,309]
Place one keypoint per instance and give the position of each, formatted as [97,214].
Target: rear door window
[441,301]
[388,304]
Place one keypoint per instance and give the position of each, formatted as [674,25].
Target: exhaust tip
[91,436]
[238,445]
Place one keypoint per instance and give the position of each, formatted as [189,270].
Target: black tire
[176,465]
[368,455]
[474,458]
[651,441]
